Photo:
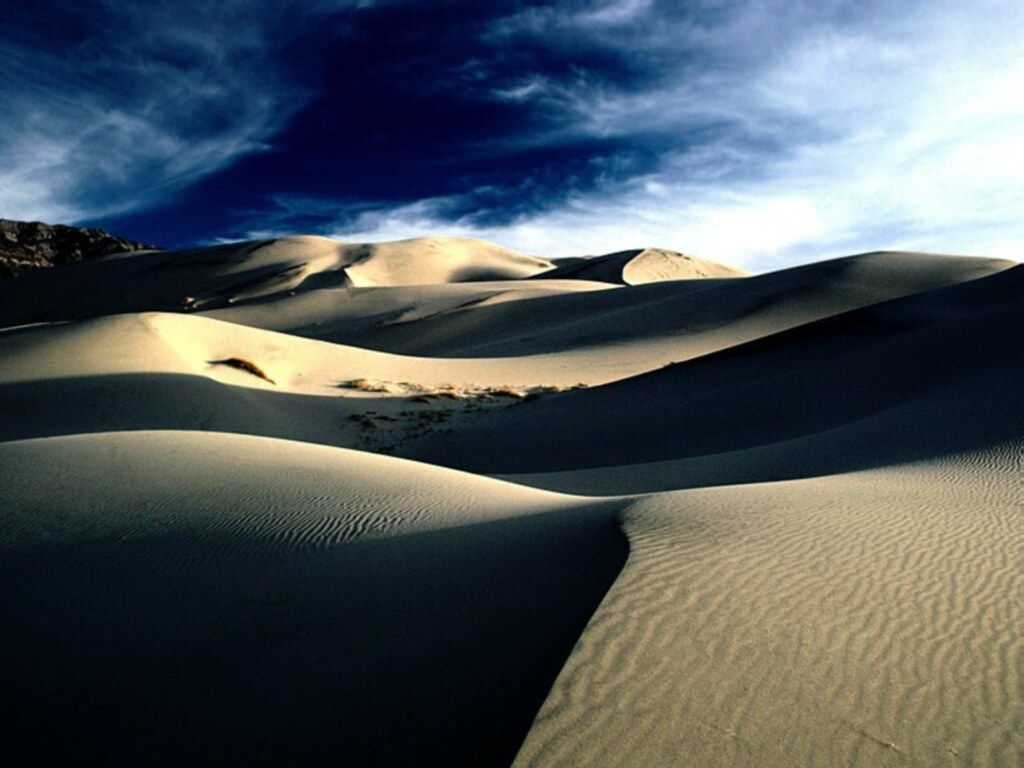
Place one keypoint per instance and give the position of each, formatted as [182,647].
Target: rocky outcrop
[27,245]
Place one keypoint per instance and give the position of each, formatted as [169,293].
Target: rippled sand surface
[862,620]
[438,503]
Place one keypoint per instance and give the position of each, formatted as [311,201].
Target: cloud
[900,128]
[111,107]
[760,132]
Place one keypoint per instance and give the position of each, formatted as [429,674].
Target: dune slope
[953,352]
[859,620]
[645,265]
[217,276]
[663,322]
[180,597]
[793,536]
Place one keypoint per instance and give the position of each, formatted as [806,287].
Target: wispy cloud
[110,107]
[903,127]
[757,132]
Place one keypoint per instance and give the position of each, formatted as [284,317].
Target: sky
[762,134]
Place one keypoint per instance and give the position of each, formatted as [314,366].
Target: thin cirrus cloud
[903,128]
[115,107]
[762,133]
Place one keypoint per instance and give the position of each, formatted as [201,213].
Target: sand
[184,596]
[944,365]
[639,509]
[863,619]
[640,266]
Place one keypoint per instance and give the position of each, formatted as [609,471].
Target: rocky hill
[27,245]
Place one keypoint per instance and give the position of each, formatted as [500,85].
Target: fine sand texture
[644,265]
[864,619]
[181,597]
[438,503]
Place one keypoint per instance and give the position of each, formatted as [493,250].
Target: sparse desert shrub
[364,385]
[243,365]
[469,394]
[505,391]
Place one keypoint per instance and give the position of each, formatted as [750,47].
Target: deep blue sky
[757,132]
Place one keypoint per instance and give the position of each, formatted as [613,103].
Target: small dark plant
[243,365]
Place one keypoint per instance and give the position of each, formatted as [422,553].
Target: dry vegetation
[243,365]
[421,393]
[438,407]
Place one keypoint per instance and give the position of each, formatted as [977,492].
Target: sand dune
[859,620]
[229,599]
[668,321]
[816,471]
[359,314]
[169,371]
[948,351]
[636,267]
[221,275]
[104,374]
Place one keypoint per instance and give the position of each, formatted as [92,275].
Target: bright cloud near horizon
[758,133]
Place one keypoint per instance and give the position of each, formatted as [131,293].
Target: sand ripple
[866,619]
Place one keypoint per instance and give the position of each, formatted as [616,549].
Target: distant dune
[643,265]
[639,509]
[206,278]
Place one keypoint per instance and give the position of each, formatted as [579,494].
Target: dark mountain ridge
[28,245]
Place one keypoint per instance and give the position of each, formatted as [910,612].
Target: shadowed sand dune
[636,267]
[809,384]
[817,473]
[661,322]
[174,597]
[225,274]
[954,352]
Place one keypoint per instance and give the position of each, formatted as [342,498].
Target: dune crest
[223,275]
[641,266]
[639,509]
[430,260]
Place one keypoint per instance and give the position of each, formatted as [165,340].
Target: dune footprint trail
[716,518]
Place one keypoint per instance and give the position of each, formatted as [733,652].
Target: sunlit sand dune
[944,365]
[647,265]
[226,274]
[640,509]
[864,619]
